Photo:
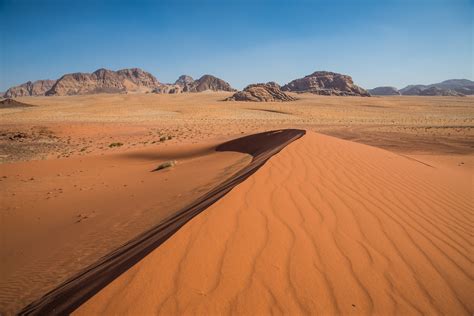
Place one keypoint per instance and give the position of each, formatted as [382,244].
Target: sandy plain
[380,222]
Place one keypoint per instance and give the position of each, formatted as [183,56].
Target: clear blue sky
[376,42]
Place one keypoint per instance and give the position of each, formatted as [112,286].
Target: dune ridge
[327,226]
[69,295]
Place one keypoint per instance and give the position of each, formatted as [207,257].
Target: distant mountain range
[109,81]
[452,87]
[136,80]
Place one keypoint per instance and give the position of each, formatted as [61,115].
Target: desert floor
[370,212]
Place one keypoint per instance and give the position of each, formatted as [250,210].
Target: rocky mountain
[461,86]
[429,91]
[411,90]
[208,82]
[435,91]
[35,88]
[185,82]
[261,92]
[188,84]
[384,91]
[326,83]
[104,81]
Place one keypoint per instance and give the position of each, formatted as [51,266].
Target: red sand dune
[76,290]
[324,227]
[61,215]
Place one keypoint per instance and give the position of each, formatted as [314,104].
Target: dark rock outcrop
[384,91]
[35,88]
[261,92]
[326,83]
[105,81]
[10,103]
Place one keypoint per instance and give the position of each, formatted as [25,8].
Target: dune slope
[325,226]
[66,297]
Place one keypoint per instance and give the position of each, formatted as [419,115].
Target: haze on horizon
[393,43]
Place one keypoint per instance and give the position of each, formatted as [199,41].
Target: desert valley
[239,157]
[124,195]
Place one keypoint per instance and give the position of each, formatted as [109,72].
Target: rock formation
[36,88]
[208,82]
[326,83]
[261,92]
[104,81]
[384,91]
[187,84]
[168,89]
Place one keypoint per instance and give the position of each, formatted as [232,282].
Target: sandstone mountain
[384,91]
[188,84]
[208,82]
[326,83]
[104,81]
[36,88]
[185,82]
[261,92]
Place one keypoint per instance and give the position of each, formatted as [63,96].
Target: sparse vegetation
[166,164]
[112,145]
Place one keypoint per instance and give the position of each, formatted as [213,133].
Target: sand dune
[327,226]
[59,216]
[76,290]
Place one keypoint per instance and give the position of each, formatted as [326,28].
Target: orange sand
[61,215]
[326,226]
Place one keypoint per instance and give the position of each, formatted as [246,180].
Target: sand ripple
[325,227]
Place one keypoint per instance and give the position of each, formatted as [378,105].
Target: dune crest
[325,227]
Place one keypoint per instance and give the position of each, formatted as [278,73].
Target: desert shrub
[166,164]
